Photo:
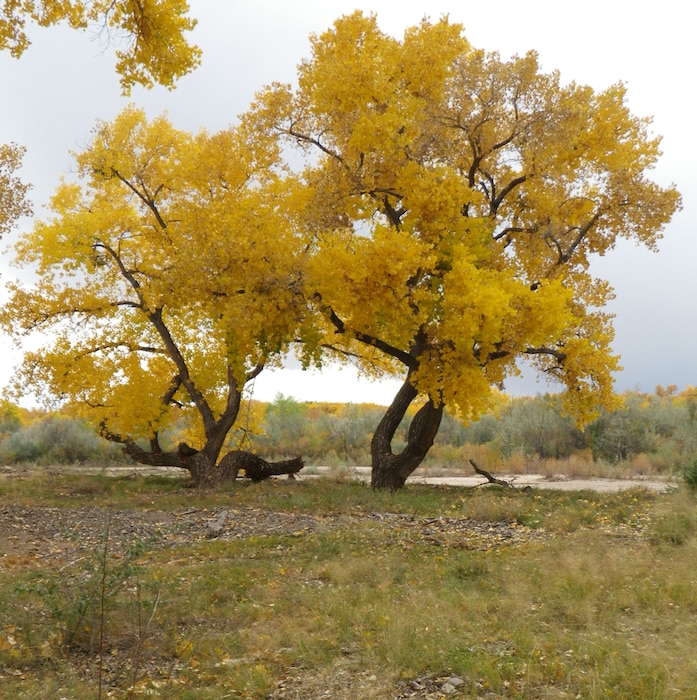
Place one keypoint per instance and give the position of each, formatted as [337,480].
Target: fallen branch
[491,479]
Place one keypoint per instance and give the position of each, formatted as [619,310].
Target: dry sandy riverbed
[561,483]
[535,481]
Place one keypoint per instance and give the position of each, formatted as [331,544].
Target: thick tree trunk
[256,468]
[390,470]
[202,466]
[203,470]
[207,474]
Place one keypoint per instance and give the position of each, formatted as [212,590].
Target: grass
[599,603]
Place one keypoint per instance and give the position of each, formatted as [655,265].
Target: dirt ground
[63,536]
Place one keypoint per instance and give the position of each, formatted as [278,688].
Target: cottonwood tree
[166,280]
[13,192]
[458,202]
[150,33]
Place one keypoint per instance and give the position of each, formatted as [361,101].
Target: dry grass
[596,599]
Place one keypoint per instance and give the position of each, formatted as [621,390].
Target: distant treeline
[661,427]
[659,430]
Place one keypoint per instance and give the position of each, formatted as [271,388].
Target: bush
[56,440]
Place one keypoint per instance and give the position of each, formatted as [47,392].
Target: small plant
[689,474]
[87,604]
[83,603]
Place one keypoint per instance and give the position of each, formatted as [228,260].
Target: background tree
[458,201]
[10,419]
[537,427]
[13,192]
[619,435]
[328,434]
[167,279]
[151,33]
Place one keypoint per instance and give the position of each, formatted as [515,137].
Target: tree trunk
[206,474]
[389,470]
[203,470]
[256,468]
[201,464]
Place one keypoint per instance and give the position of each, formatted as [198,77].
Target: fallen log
[491,479]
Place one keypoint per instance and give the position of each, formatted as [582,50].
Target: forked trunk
[390,470]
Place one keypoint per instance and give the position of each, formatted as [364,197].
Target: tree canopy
[153,50]
[459,200]
[167,279]
[151,35]
[441,227]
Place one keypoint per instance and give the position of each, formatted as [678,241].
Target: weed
[88,608]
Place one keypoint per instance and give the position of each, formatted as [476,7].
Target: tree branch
[491,479]
[405,358]
[144,197]
[557,354]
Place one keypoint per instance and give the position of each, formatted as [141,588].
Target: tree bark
[206,474]
[256,468]
[201,464]
[390,470]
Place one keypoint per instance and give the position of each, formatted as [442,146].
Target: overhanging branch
[557,354]
[405,358]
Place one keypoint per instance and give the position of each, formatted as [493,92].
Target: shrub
[56,440]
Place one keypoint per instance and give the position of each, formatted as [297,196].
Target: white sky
[51,99]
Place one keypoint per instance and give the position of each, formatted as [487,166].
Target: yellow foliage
[13,191]
[152,32]
[441,226]
[457,200]
[168,275]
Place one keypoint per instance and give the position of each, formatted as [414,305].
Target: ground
[62,536]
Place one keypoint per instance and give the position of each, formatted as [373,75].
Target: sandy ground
[535,481]
[538,481]
[560,483]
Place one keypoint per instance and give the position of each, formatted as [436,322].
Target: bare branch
[144,197]
[491,479]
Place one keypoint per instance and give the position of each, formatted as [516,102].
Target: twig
[142,635]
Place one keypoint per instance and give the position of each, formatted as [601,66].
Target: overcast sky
[51,98]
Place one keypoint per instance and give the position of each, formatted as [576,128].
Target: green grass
[597,600]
